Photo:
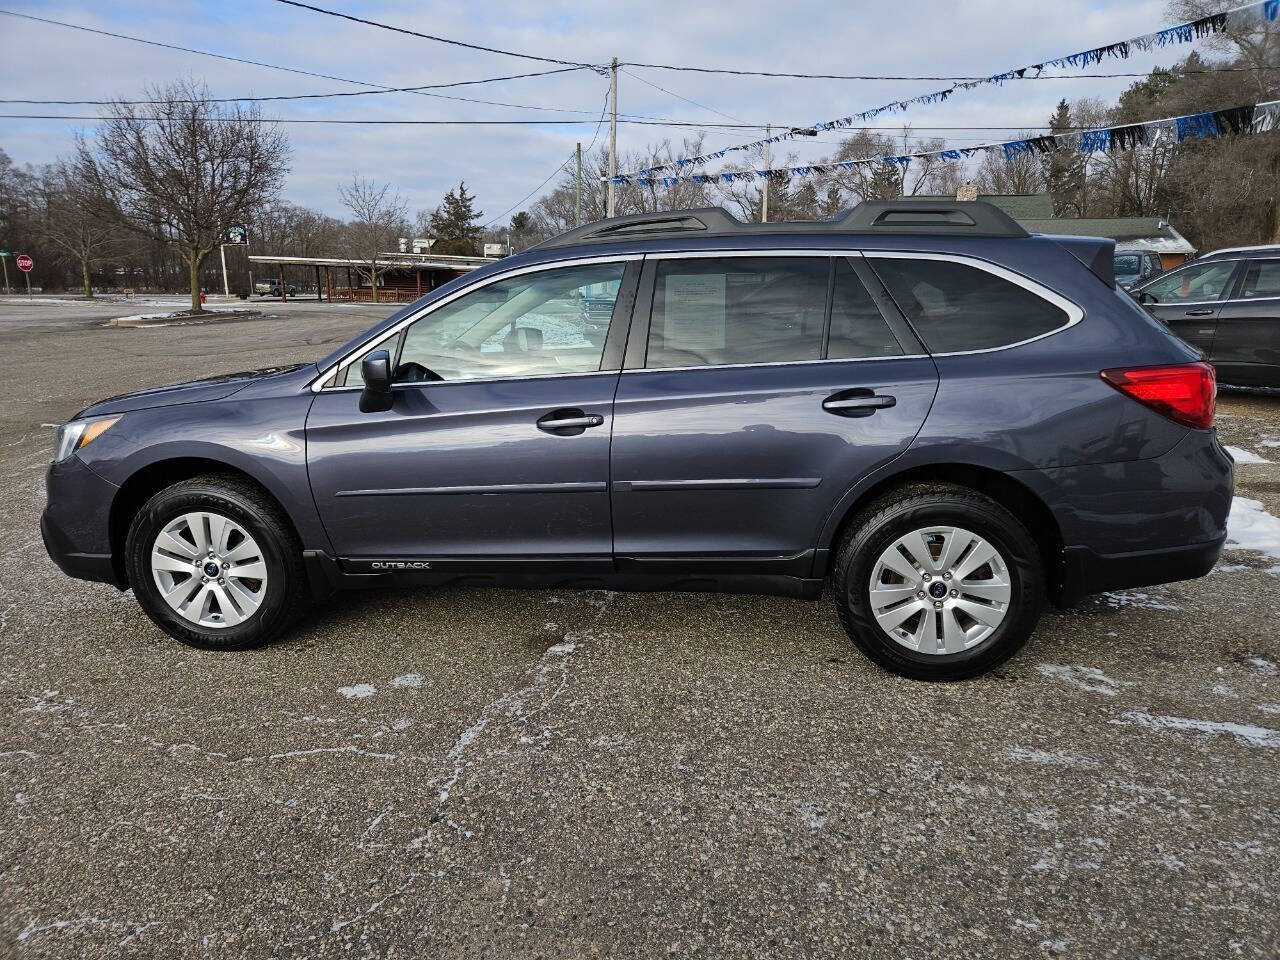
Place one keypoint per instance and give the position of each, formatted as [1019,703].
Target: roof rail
[909,215]
[643,225]
[970,218]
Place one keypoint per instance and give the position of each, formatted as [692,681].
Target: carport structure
[408,275]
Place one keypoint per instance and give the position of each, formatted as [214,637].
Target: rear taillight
[1183,392]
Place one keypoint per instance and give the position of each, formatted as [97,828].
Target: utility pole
[577,193]
[222,251]
[764,200]
[613,133]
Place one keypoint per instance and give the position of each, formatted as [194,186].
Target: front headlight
[80,433]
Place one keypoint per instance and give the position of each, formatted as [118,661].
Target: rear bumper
[75,524]
[1085,571]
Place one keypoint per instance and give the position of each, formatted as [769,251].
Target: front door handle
[569,422]
[1198,313]
[863,406]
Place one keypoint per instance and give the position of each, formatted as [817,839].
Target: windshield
[1128,265]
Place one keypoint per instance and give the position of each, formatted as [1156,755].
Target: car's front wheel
[215,564]
[938,583]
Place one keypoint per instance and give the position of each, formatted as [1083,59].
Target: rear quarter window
[956,307]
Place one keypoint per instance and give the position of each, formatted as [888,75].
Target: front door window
[531,325]
[1195,284]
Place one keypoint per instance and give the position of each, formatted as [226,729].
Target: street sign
[25,263]
[236,234]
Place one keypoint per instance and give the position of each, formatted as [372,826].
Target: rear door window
[858,330]
[1261,280]
[734,310]
[956,307]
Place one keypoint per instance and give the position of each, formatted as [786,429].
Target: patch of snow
[407,680]
[1269,707]
[1047,758]
[563,648]
[1230,568]
[1241,455]
[401,725]
[359,691]
[1142,601]
[1269,443]
[1246,733]
[1222,690]
[1089,679]
[813,816]
[1250,527]
[1262,664]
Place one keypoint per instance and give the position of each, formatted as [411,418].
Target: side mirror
[376,370]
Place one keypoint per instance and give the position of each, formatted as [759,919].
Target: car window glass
[1261,279]
[1128,265]
[737,310]
[531,325]
[1205,281]
[355,377]
[857,327]
[956,307]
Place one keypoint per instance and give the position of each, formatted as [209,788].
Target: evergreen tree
[1064,170]
[454,224]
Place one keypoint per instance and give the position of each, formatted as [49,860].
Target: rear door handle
[1199,313]
[857,406]
[568,423]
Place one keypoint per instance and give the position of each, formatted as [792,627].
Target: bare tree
[1006,172]
[377,222]
[183,168]
[72,221]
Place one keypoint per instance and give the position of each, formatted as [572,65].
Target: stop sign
[25,263]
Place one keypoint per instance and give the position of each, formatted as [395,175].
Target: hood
[193,391]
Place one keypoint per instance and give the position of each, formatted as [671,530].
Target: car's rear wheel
[214,563]
[938,583]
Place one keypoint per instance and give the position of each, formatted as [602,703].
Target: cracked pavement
[502,773]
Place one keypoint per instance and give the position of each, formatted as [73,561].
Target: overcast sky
[502,164]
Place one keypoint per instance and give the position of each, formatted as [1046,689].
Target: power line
[439,123]
[428,36]
[520,202]
[622,118]
[317,96]
[871,76]
[378,87]
[670,93]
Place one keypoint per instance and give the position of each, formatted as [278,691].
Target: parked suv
[1227,305]
[940,417]
[1136,266]
[270,287]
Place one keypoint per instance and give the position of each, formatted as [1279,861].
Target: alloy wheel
[209,570]
[940,590]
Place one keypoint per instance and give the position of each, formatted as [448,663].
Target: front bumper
[76,523]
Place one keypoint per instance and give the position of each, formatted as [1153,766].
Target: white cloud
[501,164]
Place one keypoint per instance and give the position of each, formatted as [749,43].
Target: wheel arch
[149,480]
[1017,497]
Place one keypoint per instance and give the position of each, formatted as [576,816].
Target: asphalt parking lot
[502,773]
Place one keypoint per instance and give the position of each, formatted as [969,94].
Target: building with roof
[1129,233]
[408,275]
[1034,211]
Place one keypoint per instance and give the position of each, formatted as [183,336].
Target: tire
[245,611]
[869,552]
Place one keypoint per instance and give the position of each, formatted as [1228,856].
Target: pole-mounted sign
[25,264]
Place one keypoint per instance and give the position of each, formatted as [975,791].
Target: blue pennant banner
[1251,118]
[1264,11]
